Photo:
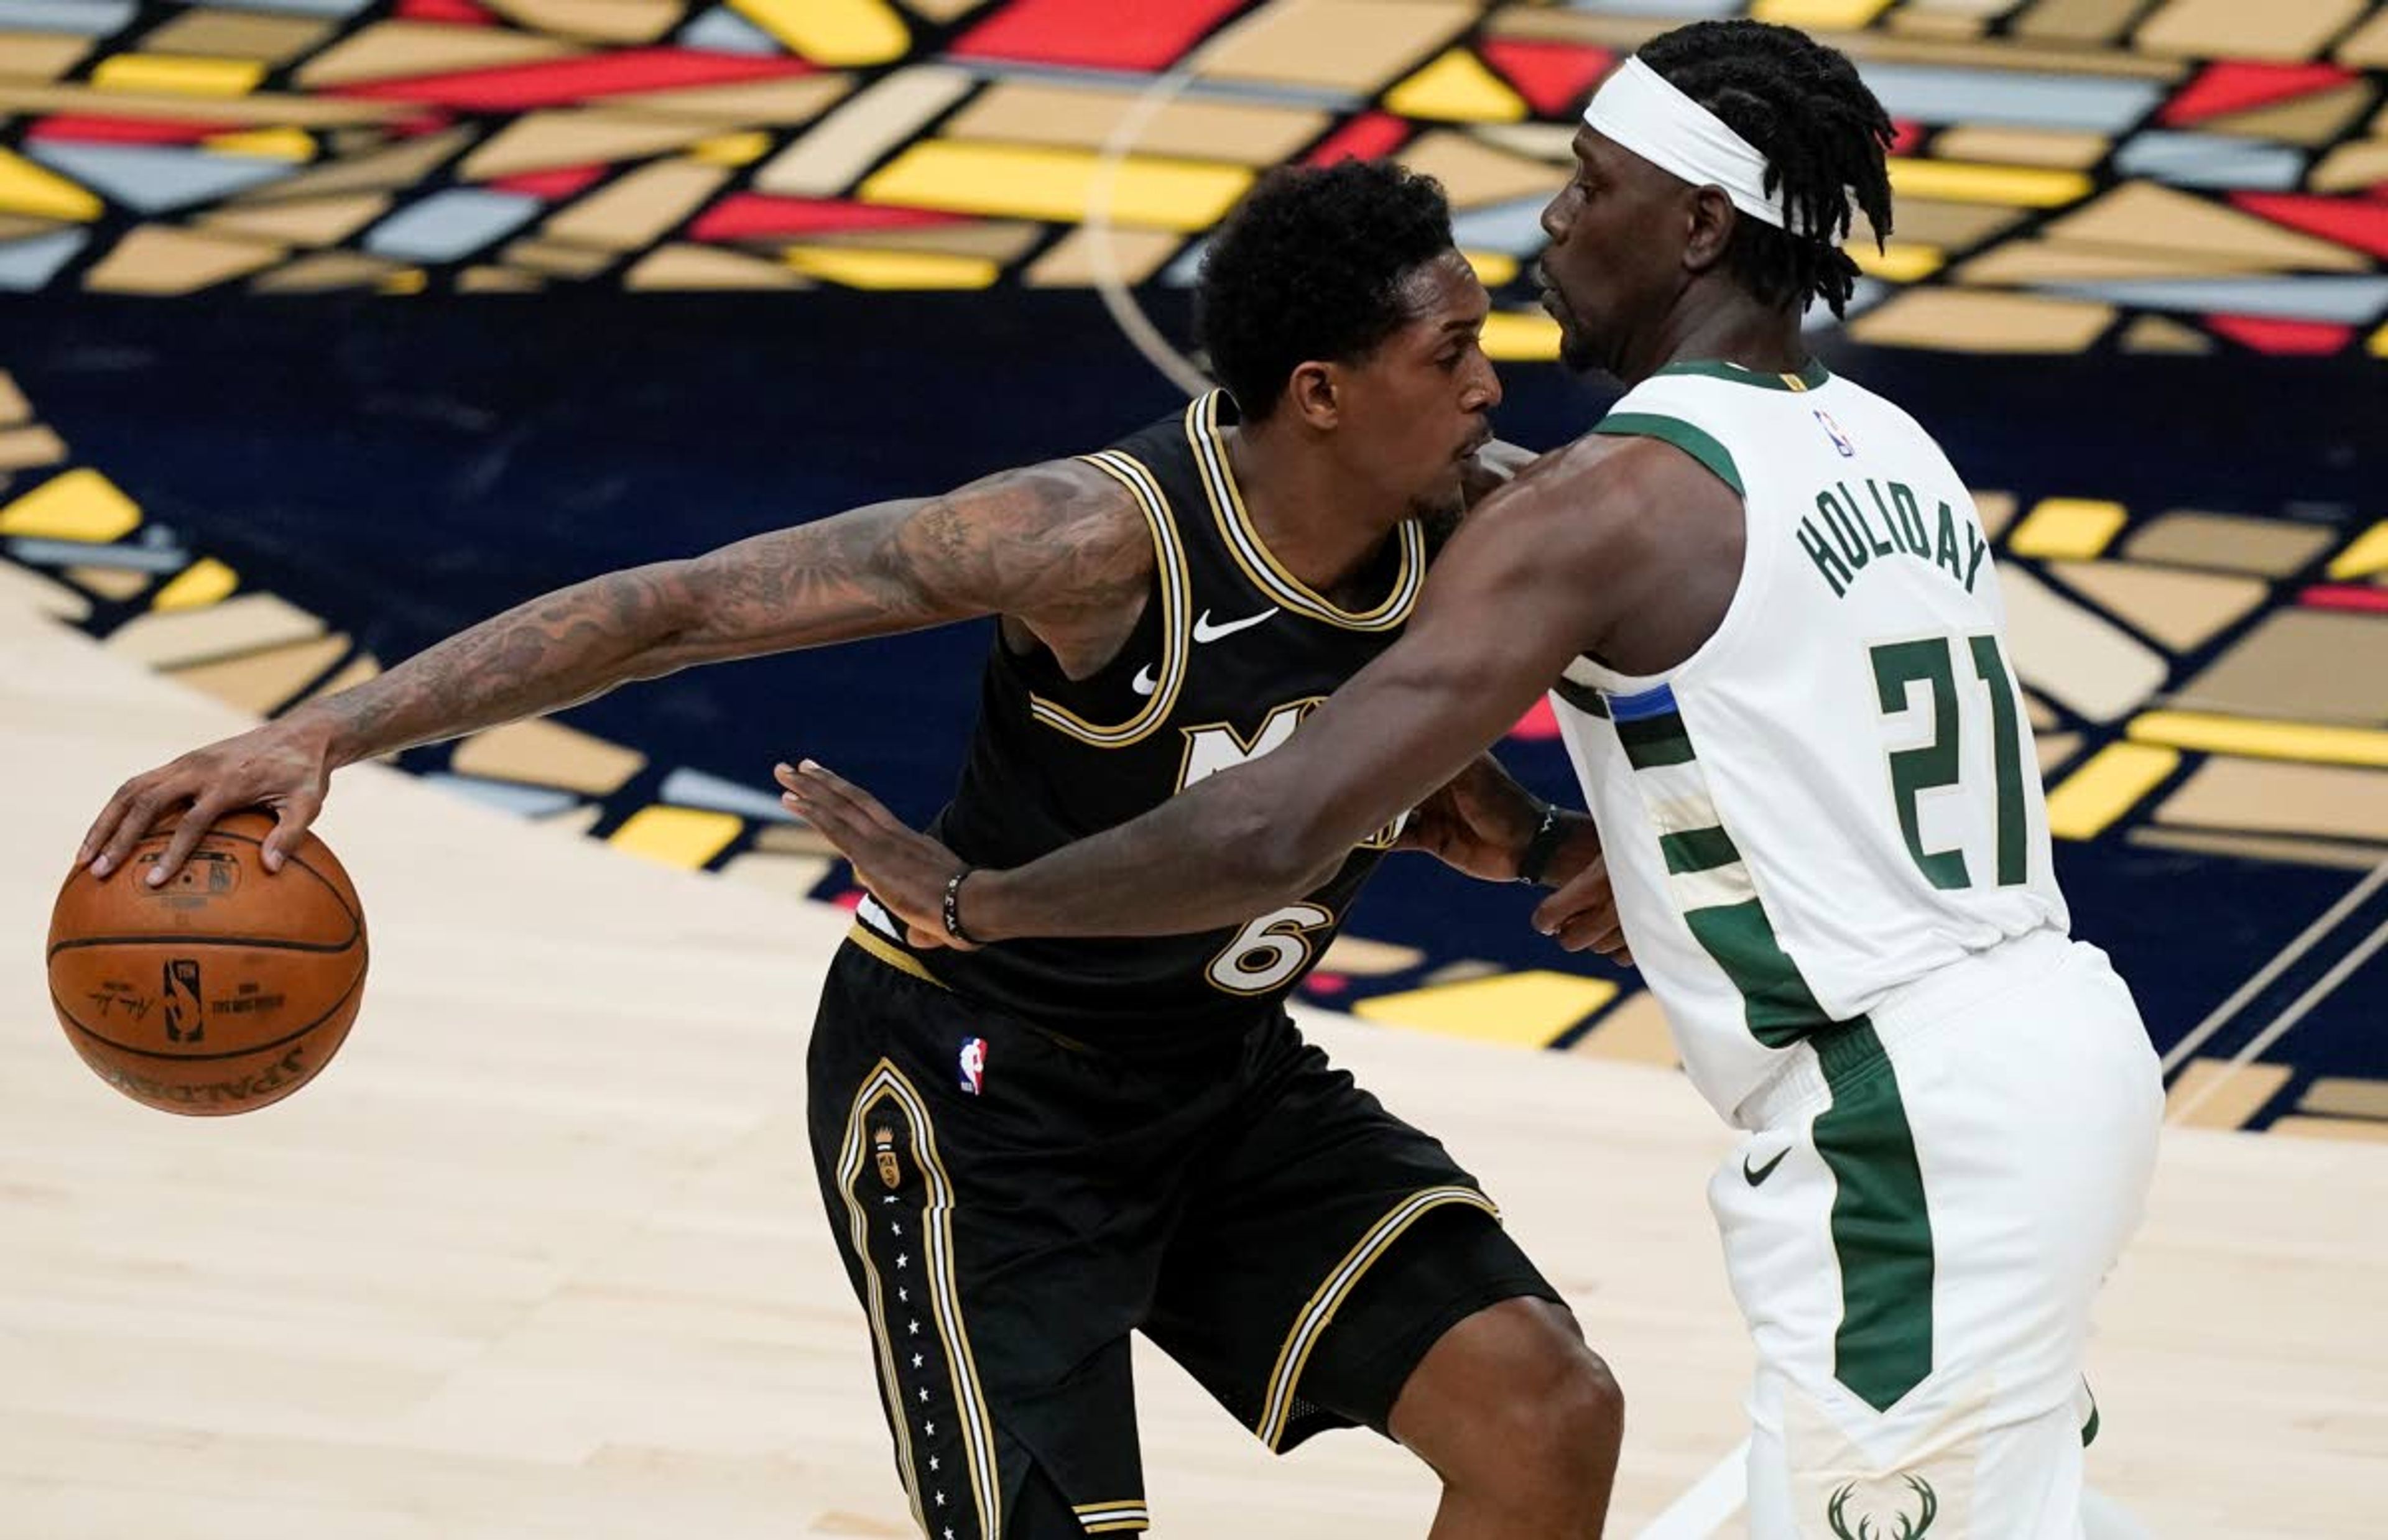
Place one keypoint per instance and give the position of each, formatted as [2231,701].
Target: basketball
[221,991]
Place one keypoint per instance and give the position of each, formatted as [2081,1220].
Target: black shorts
[1011,1206]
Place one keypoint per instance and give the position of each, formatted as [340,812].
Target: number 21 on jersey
[1953,671]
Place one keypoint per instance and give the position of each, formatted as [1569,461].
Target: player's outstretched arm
[1051,545]
[1529,581]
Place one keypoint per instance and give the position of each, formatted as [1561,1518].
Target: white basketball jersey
[1837,793]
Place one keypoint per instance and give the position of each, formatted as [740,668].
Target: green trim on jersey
[1692,441]
[1655,740]
[1780,1007]
[1809,375]
[1583,698]
[1776,1002]
[1700,850]
[1882,1227]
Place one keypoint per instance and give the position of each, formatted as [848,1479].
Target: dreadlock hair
[1802,106]
[1309,266]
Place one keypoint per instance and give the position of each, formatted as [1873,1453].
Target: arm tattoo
[1048,544]
[552,652]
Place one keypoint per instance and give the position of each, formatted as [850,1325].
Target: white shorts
[1915,1229]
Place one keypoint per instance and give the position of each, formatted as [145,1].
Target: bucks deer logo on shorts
[1905,1525]
[883,1154]
[185,1011]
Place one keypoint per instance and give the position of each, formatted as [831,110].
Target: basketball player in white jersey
[1764,604]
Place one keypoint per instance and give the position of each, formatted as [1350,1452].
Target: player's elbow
[1281,853]
[657,614]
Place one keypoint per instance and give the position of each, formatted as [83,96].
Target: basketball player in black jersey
[1029,1152]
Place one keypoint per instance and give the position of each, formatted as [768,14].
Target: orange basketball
[224,990]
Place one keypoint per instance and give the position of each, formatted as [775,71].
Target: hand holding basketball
[222,989]
[284,765]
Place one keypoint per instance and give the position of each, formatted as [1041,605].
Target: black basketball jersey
[1231,654]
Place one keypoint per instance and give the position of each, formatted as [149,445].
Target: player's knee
[1566,1425]
[1529,1411]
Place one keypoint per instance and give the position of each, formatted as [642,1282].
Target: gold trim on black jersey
[1277,1406]
[886,1082]
[1176,616]
[1268,575]
[1114,1517]
[890,954]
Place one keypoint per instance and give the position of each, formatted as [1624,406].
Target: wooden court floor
[541,1255]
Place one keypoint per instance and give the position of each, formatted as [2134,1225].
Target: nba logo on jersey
[973,1065]
[1840,439]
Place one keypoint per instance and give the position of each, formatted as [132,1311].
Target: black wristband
[1536,857]
[953,908]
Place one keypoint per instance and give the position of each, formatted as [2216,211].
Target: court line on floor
[1706,1504]
[2322,989]
[2224,1014]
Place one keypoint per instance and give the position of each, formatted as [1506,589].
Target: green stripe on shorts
[1882,1229]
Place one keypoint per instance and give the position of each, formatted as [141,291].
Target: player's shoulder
[1051,533]
[1102,508]
[1597,475]
[1076,500]
[1599,507]
[1104,529]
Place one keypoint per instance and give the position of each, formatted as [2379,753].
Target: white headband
[1640,110]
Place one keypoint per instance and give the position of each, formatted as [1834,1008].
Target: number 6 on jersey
[1269,950]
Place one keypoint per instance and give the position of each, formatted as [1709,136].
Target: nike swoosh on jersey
[1762,1172]
[1206,632]
[1144,683]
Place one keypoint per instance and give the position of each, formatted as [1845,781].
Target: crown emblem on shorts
[883,1154]
[1910,1526]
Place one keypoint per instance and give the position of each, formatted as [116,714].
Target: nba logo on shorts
[1840,439]
[973,1065]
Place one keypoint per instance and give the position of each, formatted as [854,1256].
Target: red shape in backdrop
[2270,335]
[742,215]
[459,13]
[2361,225]
[1554,77]
[1366,137]
[2346,595]
[562,182]
[554,82]
[1538,723]
[2236,85]
[89,129]
[1097,34]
